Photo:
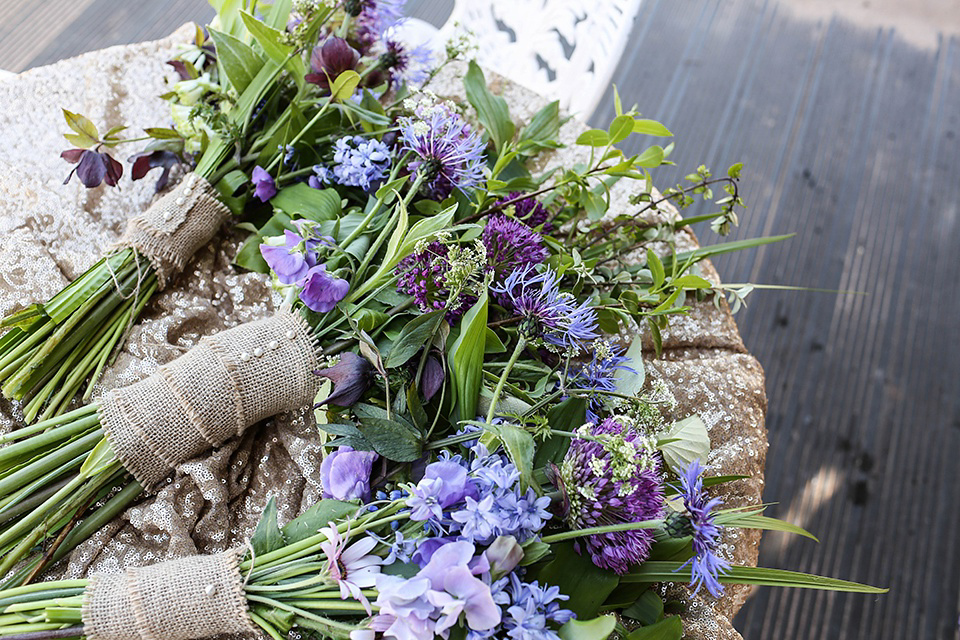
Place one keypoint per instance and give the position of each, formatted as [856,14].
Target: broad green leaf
[237,60]
[493,342]
[426,228]
[629,383]
[647,609]
[267,536]
[492,110]
[319,515]
[670,628]
[656,268]
[466,358]
[86,132]
[650,128]
[543,128]
[652,571]
[689,442]
[393,438]
[576,576]
[413,337]
[313,204]
[650,158]
[228,15]
[620,128]
[757,521]
[520,448]
[389,191]
[344,86]
[691,281]
[594,138]
[271,41]
[599,628]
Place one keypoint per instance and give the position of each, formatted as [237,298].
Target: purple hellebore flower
[329,60]
[264,187]
[350,377]
[287,261]
[93,167]
[432,378]
[345,474]
[321,290]
[147,160]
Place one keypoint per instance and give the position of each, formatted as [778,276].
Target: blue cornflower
[448,153]
[545,311]
[705,566]
[360,162]
[599,374]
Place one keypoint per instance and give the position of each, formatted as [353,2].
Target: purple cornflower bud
[93,167]
[351,377]
[264,187]
[330,59]
[345,474]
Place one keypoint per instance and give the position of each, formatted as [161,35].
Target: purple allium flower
[612,479]
[329,60]
[93,167]
[529,211]
[705,566]
[449,155]
[406,64]
[422,275]
[264,187]
[599,374]
[546,312]
[146,160]
[345,474]
[322,291]
[291,261]
[351,377]
[360,162]
[511,245]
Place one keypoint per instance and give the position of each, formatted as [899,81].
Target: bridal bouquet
[468,328]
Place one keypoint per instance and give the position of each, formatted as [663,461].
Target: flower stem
[521,345]
[579,533]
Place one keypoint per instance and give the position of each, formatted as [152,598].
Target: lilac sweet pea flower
[264,187]
[345,474]
[321,290]
[287,261]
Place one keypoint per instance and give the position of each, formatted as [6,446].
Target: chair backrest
[565,50]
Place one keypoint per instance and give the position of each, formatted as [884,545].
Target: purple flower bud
[322,291]
[350,377]
[147,160]
[330,59]
[93,167]
[503,554]
[264,187]
[345,474]
[432,378]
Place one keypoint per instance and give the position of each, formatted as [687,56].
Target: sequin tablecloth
[51,232]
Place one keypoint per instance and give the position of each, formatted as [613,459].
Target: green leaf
[656,268]
[86,132]
[566,416]
[702,253]
[650,128]
[670,628]
[344,86]
[576,576]
[492,110]
[691,281]
[162,133]
[620,128]
[627,382]
[493,342]
[757,521]
[313,204]
[594,138]
[271,41]
[267,536]
[319,515]
[228,15]
[650,158]
[652,571]
[101,458]
[237,60]
[520,448]
[466,358]
[249,256]
[413,336]
[543,128]
[690,442]
[647,610]
[393,438]
[599,628]
[389,191]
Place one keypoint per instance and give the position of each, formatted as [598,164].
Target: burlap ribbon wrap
[226,383]
[182,599]
[175,226]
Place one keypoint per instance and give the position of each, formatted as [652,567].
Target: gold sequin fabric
[51,232]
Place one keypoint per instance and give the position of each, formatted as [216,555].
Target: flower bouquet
[500,462]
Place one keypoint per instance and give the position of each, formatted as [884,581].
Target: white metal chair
[566,50]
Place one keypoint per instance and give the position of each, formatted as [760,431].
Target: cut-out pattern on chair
[563,49]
